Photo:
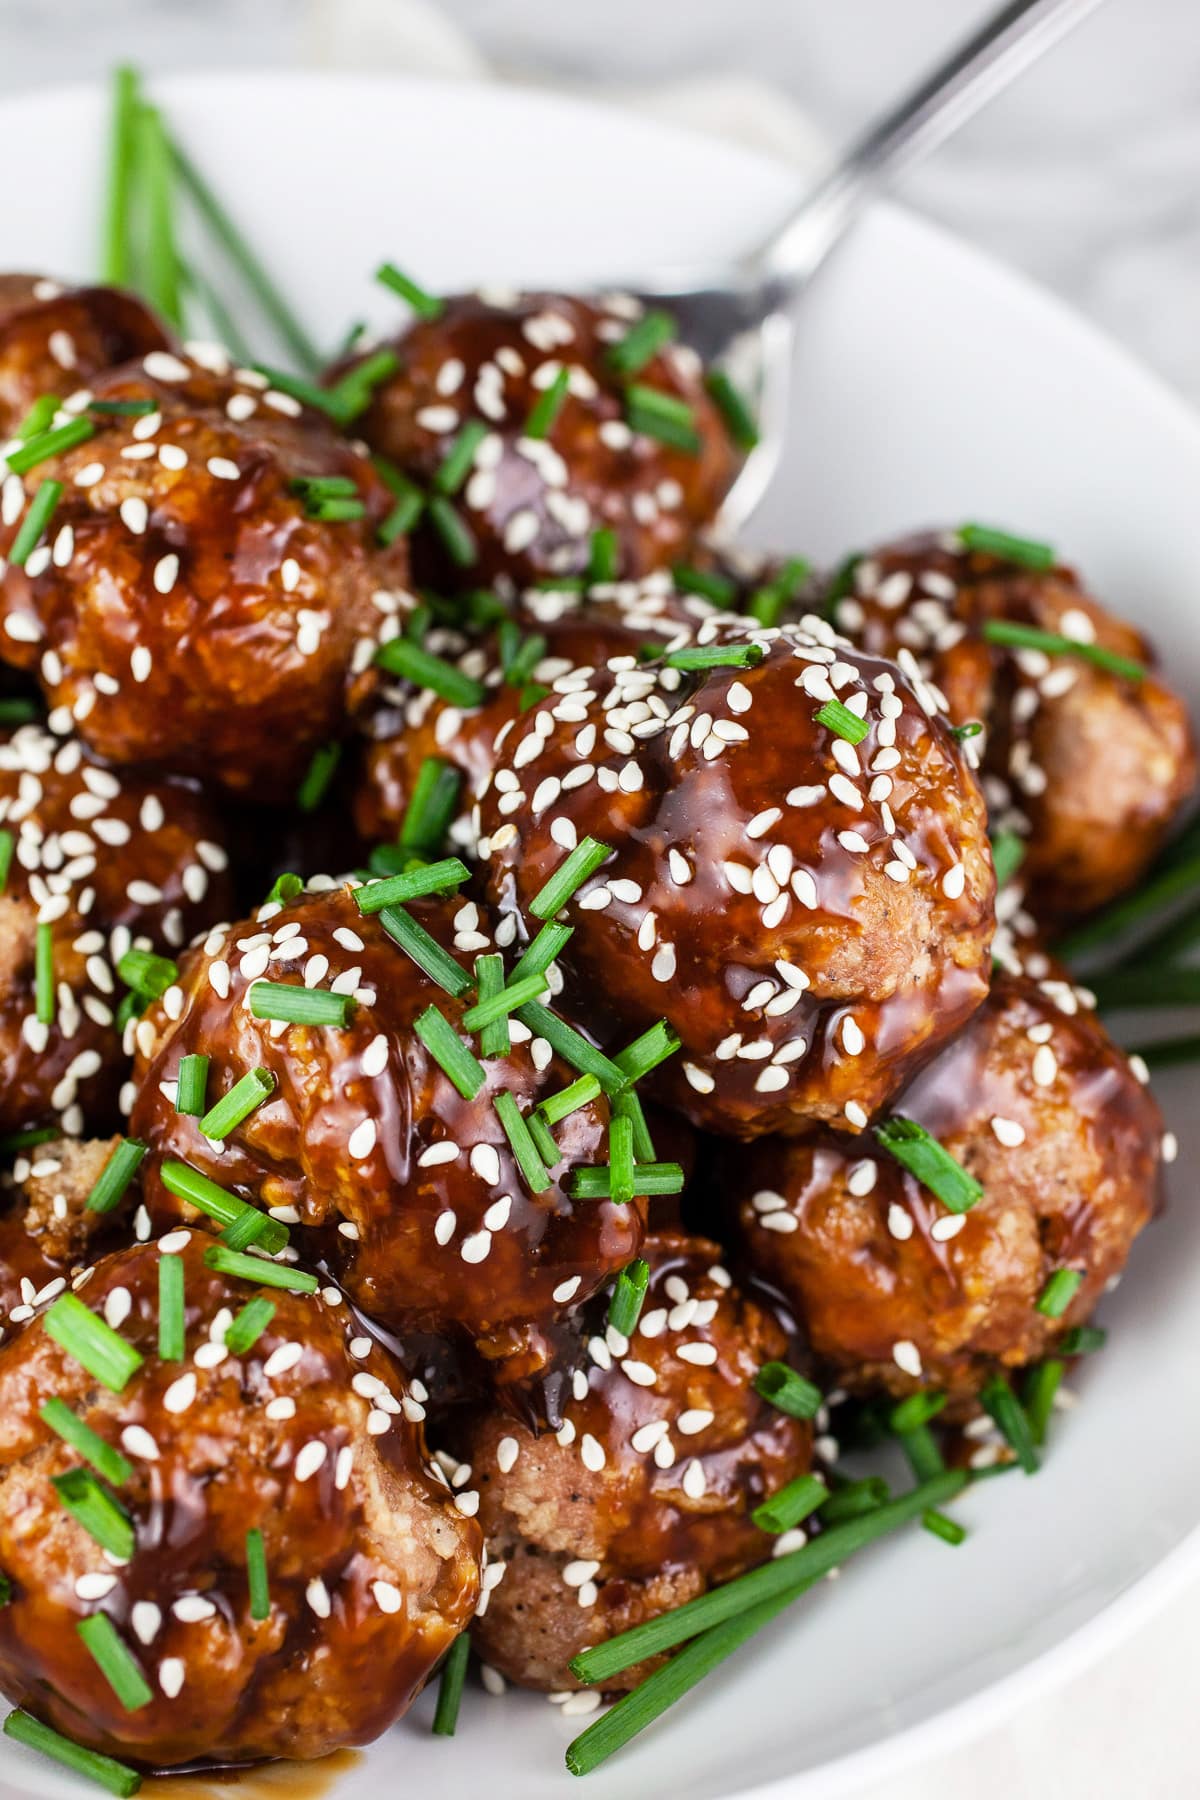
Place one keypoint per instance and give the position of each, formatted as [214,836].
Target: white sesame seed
[137,1440]
[1008,1132]
[166,569]
[309,1458]
[146,1619]
[170,1676]
[907,1357]
[180,1394]
[317,1595]
[591,1453]
[1045,1066]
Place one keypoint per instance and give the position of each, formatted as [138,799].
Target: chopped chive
[354,392]
[842,585]
[739,420]
[784,1575]
[186,1183]
[1008,853]
[192,1085]
[571,873]
[434,878]
[1059,1292]
[115,1661]
[40,417]
[248,1326]
[115,245]
[243,1231]
[333,509]
[544,949]
[572,1046]
[36,519]
[791,1504]
[647,1052]
[298,387]
[410,504]
[494,1039]
[915,1410]
[547,406]
[854,1500]
[1040,1388]
[299,1005]
[425,305]
[596,1183]
[627,1106]
[557,1107]
[1081,1340]
[620,1160]
[449,1052]
[500,1005]
[431,807]
[172,1318]
[17,710]
[285,887]
[351,339]
[998,1399]
[247,1093]
[1029,637]
[543,1139]
[663,417]
[629,1294]
[519,655]
[132,1007]
[768,601]
[644,339]
[123,409]
[105,1771]
[156,171]
[116,1175]
[842,722]
[456,464]
[92,1342]
[400,656]
[916,1150]
[425,951]
[28,1140]
[8,845]
[256,1575]
[91,1505]
[147,974]
[720,589]
[50,443]
[788,1390]
[537,1176]
[256,1268]
[949,1530]
[103,1456]
[602,555]
[921,1448]
[450,1686]
[1026,551]
[453,530]
[716,656]
[318,776]
[972,729]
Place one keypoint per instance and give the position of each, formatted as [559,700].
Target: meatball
[810,914]
[530,502]
[54,340]
[1091,767]
[896,1291]
[47,1232]
[191,603]
[412,1194]
[99,862]
[304,1434]
[643,1497]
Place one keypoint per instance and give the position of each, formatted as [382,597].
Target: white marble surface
[1087,176]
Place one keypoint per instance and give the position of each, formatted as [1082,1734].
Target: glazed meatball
[410,1192]
[306,1435]
[896,1291]
[642,1499]
[55,340]
[47,1231]
[811,915]
[530,503]
[189,604]
[100,862]
[1091,767]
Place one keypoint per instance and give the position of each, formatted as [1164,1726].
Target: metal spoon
[742,315]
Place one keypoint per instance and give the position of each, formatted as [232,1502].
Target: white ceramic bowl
[931,386]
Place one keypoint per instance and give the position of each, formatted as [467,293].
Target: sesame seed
[907,1357]
[170,1676]
[309,1458]
[1008,1132]
[166,569]
[1045,1066]
[900,1223]
[591,1453]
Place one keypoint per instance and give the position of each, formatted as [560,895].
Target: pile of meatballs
[723,824]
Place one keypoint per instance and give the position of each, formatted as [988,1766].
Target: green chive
[450,1053]
[920,1153]
[630,354]
[116,1175]
[949,1530]
[716,656]
[400,656]
[914,1411]
[354,392]
[767,603]
[629,1294]
[921,1448]
[36,519]
[410,504]
[191,1085]
[961,733]
[545,948]
[224,324]
[576,868]
[180,1179]
[172,1318]
[147,974]
[1059,1292]
[105,1771]
[598,1183]
[92,1342]
[1008,853]
[1026,551]
[453,530]
[431,807]
[998,1399]
[842,584]
[434,878]
[516,1130]
[842,722]
[425,305]
[626,1105]
[543,1140]
[1027,637]
[519,655]
[40,417]
[620,1160]
[500,1005]
[720,589]
[557,1107]
[255,1268]
[456,464]
[739,420]
[647,1052]
[160,276]
[788,1390]
[122,409]
[15,711]
[115,246]
[450,1686]
[854,1500]
[50,443]
[115,1661]
[494,1039]
[425,951]
[28,1140]
[247,1093]
[791,1504]
[91,1505]
[249,1325]
[298,387]
[256,1575]
[1041,1386]
[663,417]
[602,555]
[318,777]
[300,1005]
[1153,985]
[1174,877]
[103,1456]
[572,1046]
[1081,1340]
[547,406]
[285,887]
